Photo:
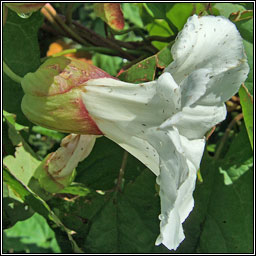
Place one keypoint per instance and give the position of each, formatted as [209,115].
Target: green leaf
[7,145]
[14,128]
[222,218]
[249,52]
[21,53]
[248,6]
[225,9]
[246,101]
[30,236]
[145,70]
[179,14]
[22,166]
[11,119]
[158,11]
[109,64]
[131,12]
[37,204]
[159,27]
[228,226]
[233,167]
[13,208]
[115,222]
[138,205]
[200,8]
[245,27]
[25,194]
[15,133]
[133,225]
[100,169]
[159,24]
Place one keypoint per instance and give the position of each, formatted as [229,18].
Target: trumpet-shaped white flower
[163,122]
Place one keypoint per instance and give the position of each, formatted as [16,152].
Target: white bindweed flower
[163,122]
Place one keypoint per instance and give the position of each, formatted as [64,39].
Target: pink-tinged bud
[24,8]
[53,95]
[111,13]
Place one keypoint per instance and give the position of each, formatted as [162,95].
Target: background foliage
[92,215]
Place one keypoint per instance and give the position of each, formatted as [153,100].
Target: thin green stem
[11,74]
[59,54]
[102,50]
[121,172]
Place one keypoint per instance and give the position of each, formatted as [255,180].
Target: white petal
[194,87]
[124,112]
[224,85]
[209,64]
[207,42]
[201,103]
[193,150]
[179,160]
[138,147]
[194,122]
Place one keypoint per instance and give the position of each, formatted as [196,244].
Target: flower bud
[53,95]
[56,171]
[111,13]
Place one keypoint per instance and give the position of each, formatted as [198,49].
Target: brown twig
[51,15]
[209,134]
[226,134]
[87,37]
[69,12]
[141,45]
[83,38]
[98,40]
